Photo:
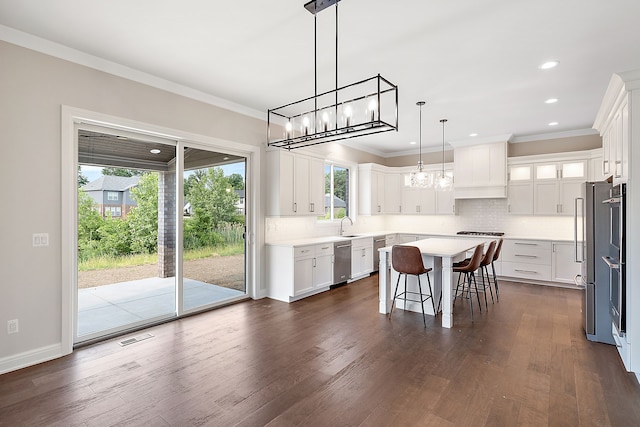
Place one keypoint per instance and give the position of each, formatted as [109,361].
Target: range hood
[480,169]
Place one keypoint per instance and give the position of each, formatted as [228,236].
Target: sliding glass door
[134,194]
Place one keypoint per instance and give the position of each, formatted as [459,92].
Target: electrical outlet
[12,326]
[40,239]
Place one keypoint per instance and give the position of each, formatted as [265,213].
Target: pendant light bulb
[444,182]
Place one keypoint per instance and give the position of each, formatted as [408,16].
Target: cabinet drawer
[324,249]
[526,271]
[303,251]
[527,251]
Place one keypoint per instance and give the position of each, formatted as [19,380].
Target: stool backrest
[498,250]
[407,259]
[475,261]
[488,256]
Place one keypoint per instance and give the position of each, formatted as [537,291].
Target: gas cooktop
[482,233]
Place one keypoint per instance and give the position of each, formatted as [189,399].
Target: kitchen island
[439,254]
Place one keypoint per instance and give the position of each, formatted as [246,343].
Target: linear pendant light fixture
[419,178]
[363,108]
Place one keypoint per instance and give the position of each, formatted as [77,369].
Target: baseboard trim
[30,358]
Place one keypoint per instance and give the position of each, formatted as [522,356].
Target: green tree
[89,222]
[82,180]
[143,218]
[122,172]
[115,237]
[212,199]
[340,183]
[236,181]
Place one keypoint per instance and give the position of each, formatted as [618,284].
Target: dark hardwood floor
[332,360]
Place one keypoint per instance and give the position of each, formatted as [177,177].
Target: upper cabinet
[480,171]
[379,190]
[546,184]
[296,184]
[613,123]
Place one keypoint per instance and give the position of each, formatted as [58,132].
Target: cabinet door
[302,201]
[564,268]
[569,191]
[303,275]
[377,192]
[520,201]
[392,193]
[445,203]
[546,198]
[287,177]
[367,259]
[411,203]
[323,270]
[316,187]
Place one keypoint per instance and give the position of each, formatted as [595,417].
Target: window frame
[351,189]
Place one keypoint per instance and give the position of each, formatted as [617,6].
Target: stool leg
[495,281]
[486,270]
[468,279]
[395,293]
[484,289]
[475,285]
[424,317]
[433,302]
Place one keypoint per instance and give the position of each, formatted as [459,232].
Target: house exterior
[112,195]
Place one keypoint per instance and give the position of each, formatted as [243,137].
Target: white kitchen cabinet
[556,185]
[445,203]
[418,200]
[392,193]
[296,184]
[300,271]
[564,267]
[361,257]
[520,190]
[379,190]
[480,170]
[526,259]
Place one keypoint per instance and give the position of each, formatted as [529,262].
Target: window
[112,195]
[112,211]
[336,194]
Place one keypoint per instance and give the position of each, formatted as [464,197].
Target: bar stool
[407,260]
[468,271]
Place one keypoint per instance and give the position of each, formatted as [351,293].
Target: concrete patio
[111,306]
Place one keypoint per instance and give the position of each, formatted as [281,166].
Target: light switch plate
[40,239]
[12,326]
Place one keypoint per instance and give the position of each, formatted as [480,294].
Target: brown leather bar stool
[468,271]
[407,260]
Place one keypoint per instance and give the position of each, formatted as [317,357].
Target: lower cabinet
[564,267]
[298,272]
[361,257]
[526,259]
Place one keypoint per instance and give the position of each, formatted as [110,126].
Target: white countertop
[443,247]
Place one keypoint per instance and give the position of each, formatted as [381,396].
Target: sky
[94,172]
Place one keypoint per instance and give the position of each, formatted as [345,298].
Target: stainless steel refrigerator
[592,224]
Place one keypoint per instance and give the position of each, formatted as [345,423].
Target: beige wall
[33,87]
[412,159]
[558,145]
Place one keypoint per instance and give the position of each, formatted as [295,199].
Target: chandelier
[443,182]
[366,107]
[419,178]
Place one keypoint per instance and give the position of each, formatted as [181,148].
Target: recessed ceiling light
[412,142]
[123,138]
[553,124]
[154,151]
[549,64]
[551,101]
[473,134]
[225,158]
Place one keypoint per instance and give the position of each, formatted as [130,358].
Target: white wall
[33,88]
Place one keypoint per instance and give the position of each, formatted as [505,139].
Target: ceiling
[473,62]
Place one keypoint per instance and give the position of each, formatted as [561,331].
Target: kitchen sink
[350,235]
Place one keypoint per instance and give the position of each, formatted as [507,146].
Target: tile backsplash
[472,214]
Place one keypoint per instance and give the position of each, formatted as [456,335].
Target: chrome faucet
[342,222]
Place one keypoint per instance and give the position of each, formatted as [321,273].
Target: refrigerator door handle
[575,230]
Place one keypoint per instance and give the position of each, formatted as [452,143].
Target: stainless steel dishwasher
[379,242]
[341,261]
